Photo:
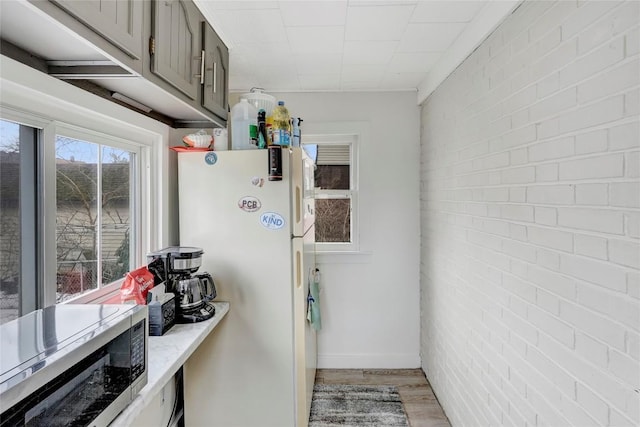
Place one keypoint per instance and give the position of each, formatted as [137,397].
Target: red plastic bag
[136,286]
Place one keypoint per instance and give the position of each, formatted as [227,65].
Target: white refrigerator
[257,368]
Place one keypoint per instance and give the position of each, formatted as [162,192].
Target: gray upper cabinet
[118,21]
[175,45]
[215,86]
[114,26]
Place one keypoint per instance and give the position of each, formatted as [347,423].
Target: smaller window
[335,191]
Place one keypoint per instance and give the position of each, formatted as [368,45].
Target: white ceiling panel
[401,81]
[413,62]
[307,40]
[429,37]
[377,23]
[237,5]
[368,52]
[362,73]
[446,11]
[318,63]
[299,13]
[330,45]
[252,26]
[320,81]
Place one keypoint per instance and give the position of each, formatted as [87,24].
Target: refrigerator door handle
[298,204]
[298,269]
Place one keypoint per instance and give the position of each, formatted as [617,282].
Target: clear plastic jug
[244,126]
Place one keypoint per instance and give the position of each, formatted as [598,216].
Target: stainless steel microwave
[72,364]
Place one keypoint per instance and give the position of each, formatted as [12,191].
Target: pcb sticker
[211,158]
[272,220]
[249,204]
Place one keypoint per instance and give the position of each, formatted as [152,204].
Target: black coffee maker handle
[209,289]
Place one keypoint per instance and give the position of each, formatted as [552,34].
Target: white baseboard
[369,361]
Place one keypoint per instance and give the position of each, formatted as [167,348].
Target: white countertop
[166,354]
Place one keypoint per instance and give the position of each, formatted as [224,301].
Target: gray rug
[356,405]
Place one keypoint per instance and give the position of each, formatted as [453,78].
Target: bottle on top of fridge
[244,126]
[295,136]
[281,131]
[263,138]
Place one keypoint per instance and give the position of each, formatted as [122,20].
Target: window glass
[333,192]
[333,220]
[93,186]
[18,221]
[116,208]
[9,221]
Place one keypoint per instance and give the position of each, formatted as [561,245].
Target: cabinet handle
[202,68]
[215,76]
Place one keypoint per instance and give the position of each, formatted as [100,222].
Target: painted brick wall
[530,216]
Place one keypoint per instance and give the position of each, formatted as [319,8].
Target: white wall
[370,300]
[530,219]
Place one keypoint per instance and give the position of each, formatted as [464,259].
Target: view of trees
[87,223]
[92,217]
[333,216]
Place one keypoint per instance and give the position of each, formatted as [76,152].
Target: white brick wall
[530,269]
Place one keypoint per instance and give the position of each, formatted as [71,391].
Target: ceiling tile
[358,86]
[243,26]
[358,3]
[446,11]
[368,52]
[239,5]
[429,37]
[377,23]
[404,81]
[308,40]
[263,52]
[413,62]
[300,13]
[318,63]
[274,79]
[362,73]
[320,81]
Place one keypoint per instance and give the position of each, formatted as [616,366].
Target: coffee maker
[193,292]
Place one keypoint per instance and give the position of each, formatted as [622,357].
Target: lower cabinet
[167,408]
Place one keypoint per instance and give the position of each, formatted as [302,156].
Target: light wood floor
[421,405]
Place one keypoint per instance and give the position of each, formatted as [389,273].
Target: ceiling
[353,45]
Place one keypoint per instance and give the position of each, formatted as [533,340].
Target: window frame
[138,183]
[347,133]
[46,259]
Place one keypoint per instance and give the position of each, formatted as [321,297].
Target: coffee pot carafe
[193,292]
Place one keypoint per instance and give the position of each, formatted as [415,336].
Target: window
[93,215]
[79,200]
[335,190]
[18,227]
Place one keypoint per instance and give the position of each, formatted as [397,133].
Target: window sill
[345,257]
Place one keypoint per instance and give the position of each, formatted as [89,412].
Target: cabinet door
[215,89]
[175,51]
[118,21]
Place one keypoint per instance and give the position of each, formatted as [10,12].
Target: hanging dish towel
[313,301]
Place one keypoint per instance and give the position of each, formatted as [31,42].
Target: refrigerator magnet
[249,204]
[211,158]
[272,220]
[257,181]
